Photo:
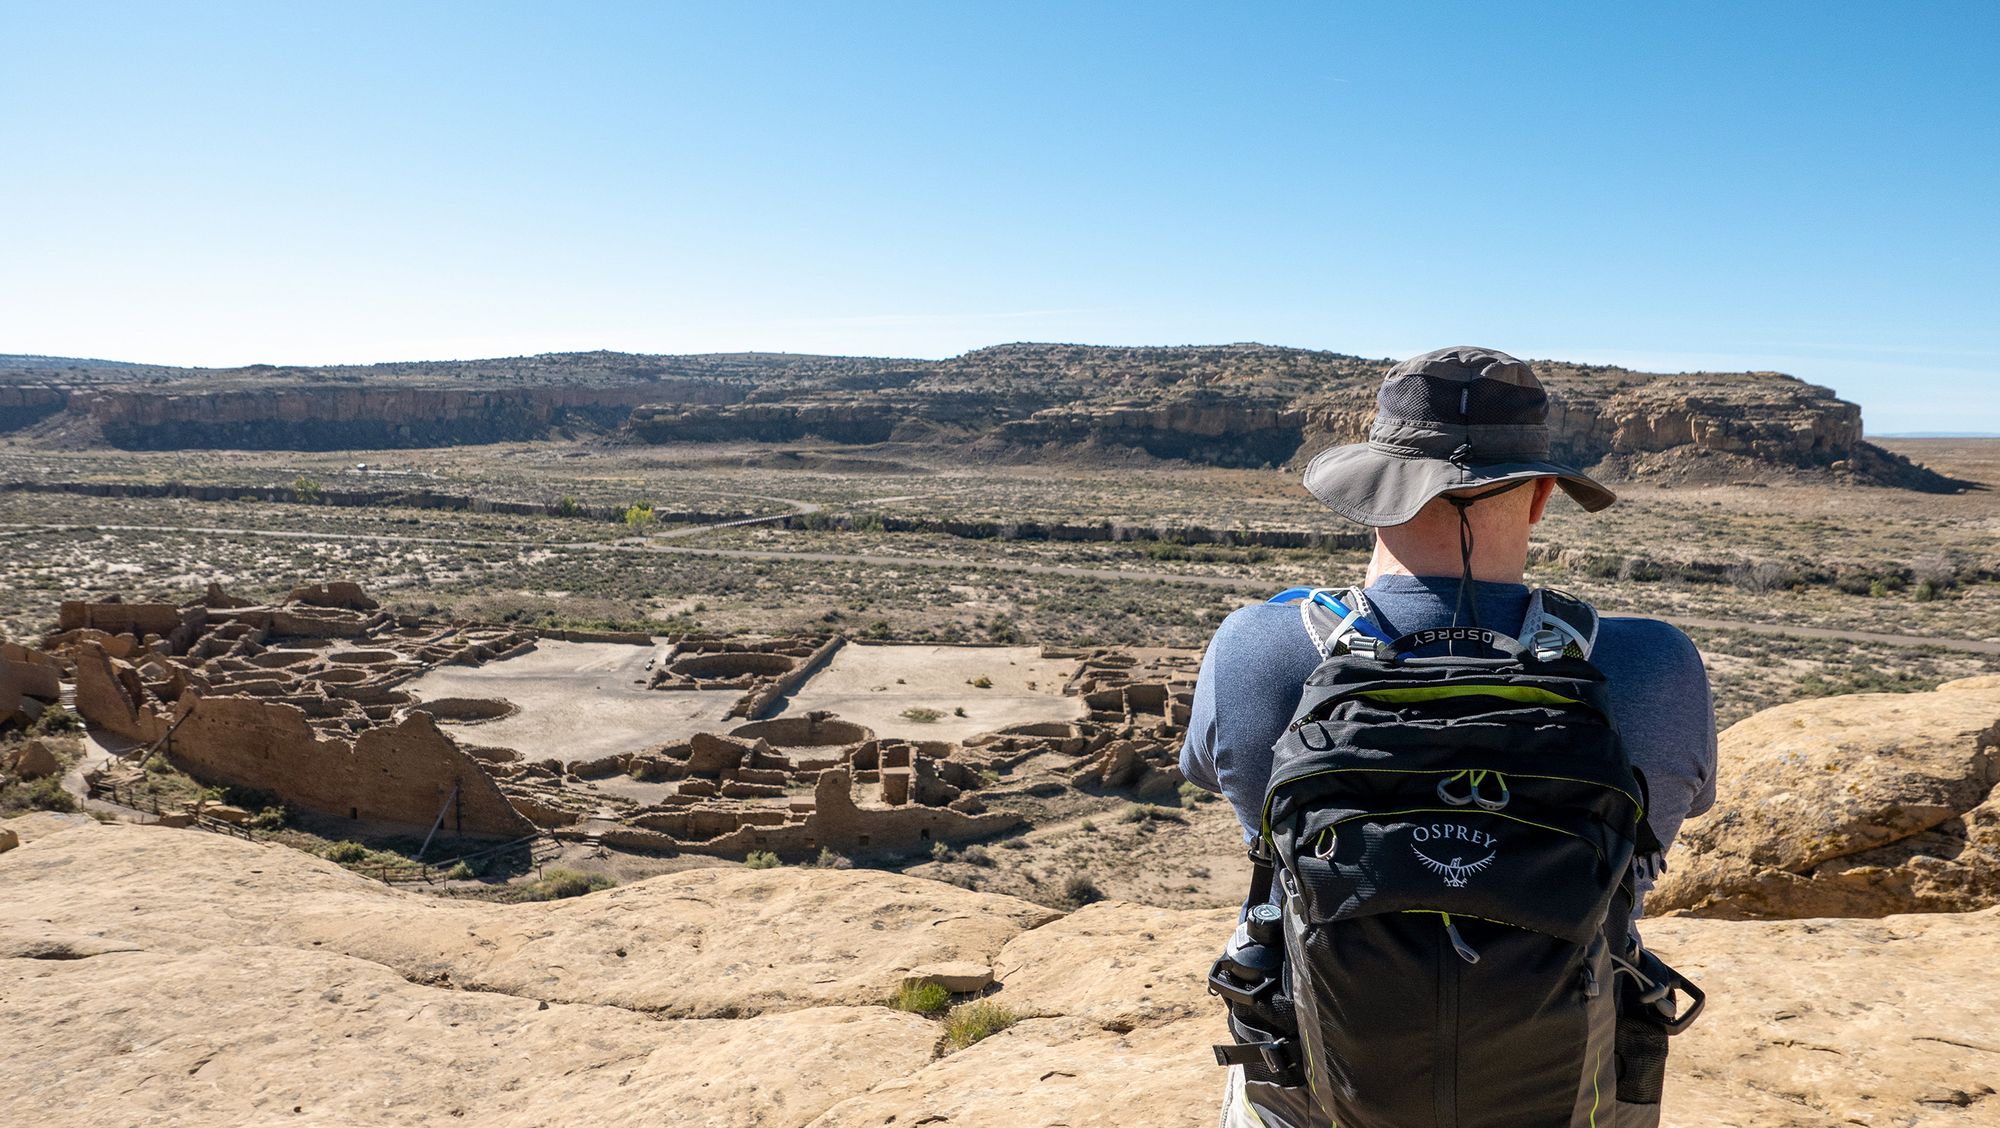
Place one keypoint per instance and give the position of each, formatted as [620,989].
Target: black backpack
[1453,842]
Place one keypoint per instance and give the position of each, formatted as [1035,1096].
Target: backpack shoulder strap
[1565,614]
[1332,620]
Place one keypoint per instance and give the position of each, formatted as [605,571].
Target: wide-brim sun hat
[1454,419]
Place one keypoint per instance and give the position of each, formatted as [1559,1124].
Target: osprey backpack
[1453,841]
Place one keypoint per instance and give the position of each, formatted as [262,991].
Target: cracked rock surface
[151,976]
[1863,805]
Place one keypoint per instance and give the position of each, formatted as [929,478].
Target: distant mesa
[1244,405]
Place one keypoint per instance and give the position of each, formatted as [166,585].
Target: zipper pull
[1465,951]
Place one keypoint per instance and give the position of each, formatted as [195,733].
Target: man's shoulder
[1636,632]
[1267,631]
[1632,644]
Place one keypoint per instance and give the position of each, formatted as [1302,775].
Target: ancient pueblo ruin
[337,708]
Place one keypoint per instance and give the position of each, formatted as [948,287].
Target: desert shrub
[45,794]
[921,715]
[270,818]
[56,719]
[1147,812]
[157,764]
[1593,566]
[1192,793]
[1087,826]
[1924,592]
[1857,583]
[569,506]
[1079,890]
[921,998]
[971,1022]
[1937,572]
[1763,576]
[941,851]
[830,860]
[462,871]
[976,855]
[559,883]
[307,490]
[981,682]
[1638,569]
[345,853]
[761,859]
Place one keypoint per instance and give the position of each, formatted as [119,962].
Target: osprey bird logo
[1455,871]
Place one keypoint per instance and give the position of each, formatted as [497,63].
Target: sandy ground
[576,701]
[873,685]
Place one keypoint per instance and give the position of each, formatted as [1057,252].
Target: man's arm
[1245,696]
[1198,748]
[1661,695]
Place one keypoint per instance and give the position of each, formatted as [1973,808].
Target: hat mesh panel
[1486,402]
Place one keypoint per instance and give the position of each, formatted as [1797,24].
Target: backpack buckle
[1547,645]
[1275,1055]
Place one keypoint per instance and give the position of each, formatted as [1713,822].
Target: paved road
[884,560]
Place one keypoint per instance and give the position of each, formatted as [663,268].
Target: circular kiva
[467,710]
[364,657]
[721,667]
[805,732]
[341,677]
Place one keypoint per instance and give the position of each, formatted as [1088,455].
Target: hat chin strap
[1468,604]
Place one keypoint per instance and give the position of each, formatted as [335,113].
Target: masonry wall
[401,774]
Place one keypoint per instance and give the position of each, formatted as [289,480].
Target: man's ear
[1545,488]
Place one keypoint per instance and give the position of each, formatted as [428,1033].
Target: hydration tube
[1326,600]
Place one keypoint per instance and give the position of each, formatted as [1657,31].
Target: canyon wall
[358,417]
[1234,405]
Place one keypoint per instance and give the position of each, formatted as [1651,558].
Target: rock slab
[739,997]
[1865,805]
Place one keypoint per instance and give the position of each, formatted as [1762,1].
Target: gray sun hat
[1454,419]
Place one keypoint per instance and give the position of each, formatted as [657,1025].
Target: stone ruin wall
[244,695]
[30,683]
[403,773]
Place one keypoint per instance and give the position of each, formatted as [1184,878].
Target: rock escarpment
[738,997]
[1865,805]
[1233,405]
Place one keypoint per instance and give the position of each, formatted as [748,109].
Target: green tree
[639,517]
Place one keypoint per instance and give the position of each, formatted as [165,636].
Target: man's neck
[1492,568]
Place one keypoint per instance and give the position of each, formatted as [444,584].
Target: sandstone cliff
[172,976]
[1233,405]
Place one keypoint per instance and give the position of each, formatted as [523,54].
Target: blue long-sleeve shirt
[1260,656]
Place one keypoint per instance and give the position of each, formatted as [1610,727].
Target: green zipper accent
[1596,1095]
[1527,694]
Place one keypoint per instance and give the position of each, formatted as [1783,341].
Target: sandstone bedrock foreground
[160,976]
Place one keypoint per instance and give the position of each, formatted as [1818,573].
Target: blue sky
[1806,187]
